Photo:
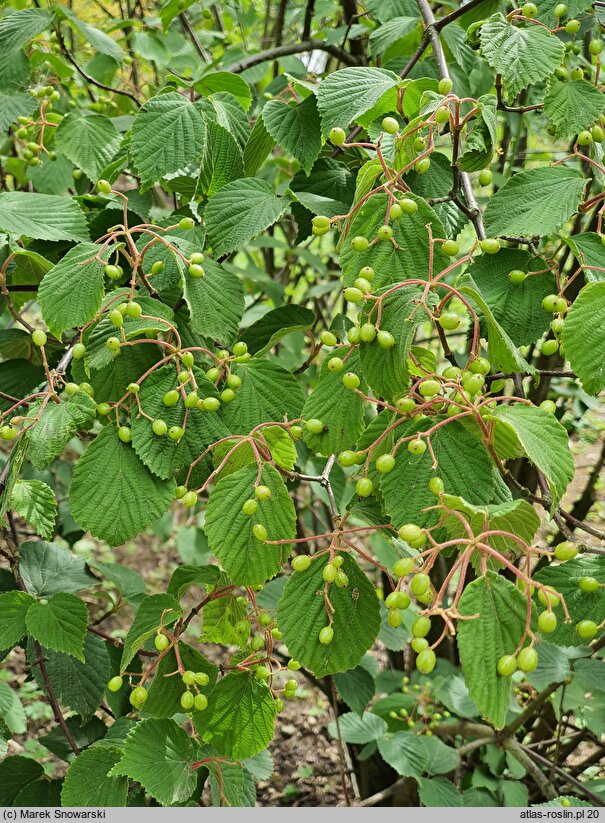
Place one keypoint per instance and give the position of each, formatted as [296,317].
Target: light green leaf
[13,106]
[268,393]
[405,753]
[296,128]
[87,782]
[168,133]
[521,55]
[390,33]
[13,609]
[58,423]
[392,265]
[348,94]
[281,446]
[356,729]
[516,516]
[246,559]
[544,440]
[89,140]
[222,160]
[225,81]
[155,611]
[534,201]
[582,605]
[516,308]
[356,687]
[42,216]
[79,685]
[17,28]
[583,337]
[113,495]
[35,502]
[240,716]
[439,792]
[589,251]
[48,569]
[97,39]
[228,113]
[11,710]
[302,614]
[257,148]
[59,624]
[462,463]
[158,754]
[572,105]
[231,785]
[275,325]
[340,410]
[239,212]
[498,610]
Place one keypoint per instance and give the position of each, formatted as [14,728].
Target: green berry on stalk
[485,177]
[403,566]
[426,660]
[480,365]
[417,446]
[595,47]
[210,404]
[301,563]
[436,486]
[584,138]
[259,531]
[197,257]
[548,597]
[549,303]
[385,339]
[422,165]
[598,134]
[125,434]
[566,550]
[161,642]
[158,267]
[409,206]
[420,584]
[395,212]
[113,272]
[326,635]
[560,10]
[186,224]
[449,321]
[337,136]
[445,86]
[360,243]
[39,338]
[562,74]
[180,492]
[187,701]
[353,295]
[116,318]
[78,352]
[507,665]
[363,285]
[103,409]
[264,619]
[588,584]
[368,332]
[406,404]
[397,600]
[315,426]
[419,144]
[350,380]
[196,271]
[527,659]
[442,115]
[516,276]
[262,492]
[171,398]
[473,383]
[547,622]
[364,487]
[490,246]
[450,248]
[335,364]
[419,644]
[104,186]
[390,125]
[572,26]
[347,458]
[200,702]
[175,433]
[421,626]
[257,643]
[189,499]
[71,388]
[385,463]
[429,388]
[115,684]
[385,233]
[138,696]
[586,629]
[394,617]
[159,427]
[577,74]
[250,507]
[112,343]
[548,406]
[328,338]
[529,10]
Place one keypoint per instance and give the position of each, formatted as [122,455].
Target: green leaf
[544,440]
[516,308]
[155,611]
[158,754]
[168,133]
[89,140]
[15,773]
[71,293]
[48,569]
[240,211]
[356,687]
[11,710]
[228,112]
[225,81]
[13,106]
[17,28]
[281,446]
[58,423]
[296,128]
[404,752]
[356,729]
[76,684]
[462,463]
[437,182]
[521,55]
[240,716]
[275,325]
[128,582]
[498,611]
[340,409]
[215,302]
[184,577]
[392,265]
[231,785]
[534,201]
[440,757]
[13,609]
[346,95]
[222,160]
[439,792]
[328,190]
[268,393]
[302,614]
[386,369]
[164,697]
[582,605]
[257,148]
[113,495]
[590,254]
[516,516]
[247,560]
[42,216]
[572,106]
[59,624]
[97,39]
[390,33]
[35,502]
[87,782]
[583,338]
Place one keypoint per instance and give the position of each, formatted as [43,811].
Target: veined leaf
[42,216]
[583,337]
[89,140]
[59,624]
[296,128]
[35,502]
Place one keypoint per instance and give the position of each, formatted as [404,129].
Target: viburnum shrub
[323,334]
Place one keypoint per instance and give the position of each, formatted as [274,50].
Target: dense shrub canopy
[310,299]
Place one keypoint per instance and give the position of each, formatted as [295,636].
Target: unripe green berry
[390,125]
[338,136]
[301,563]
[326,635]
[115,684]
